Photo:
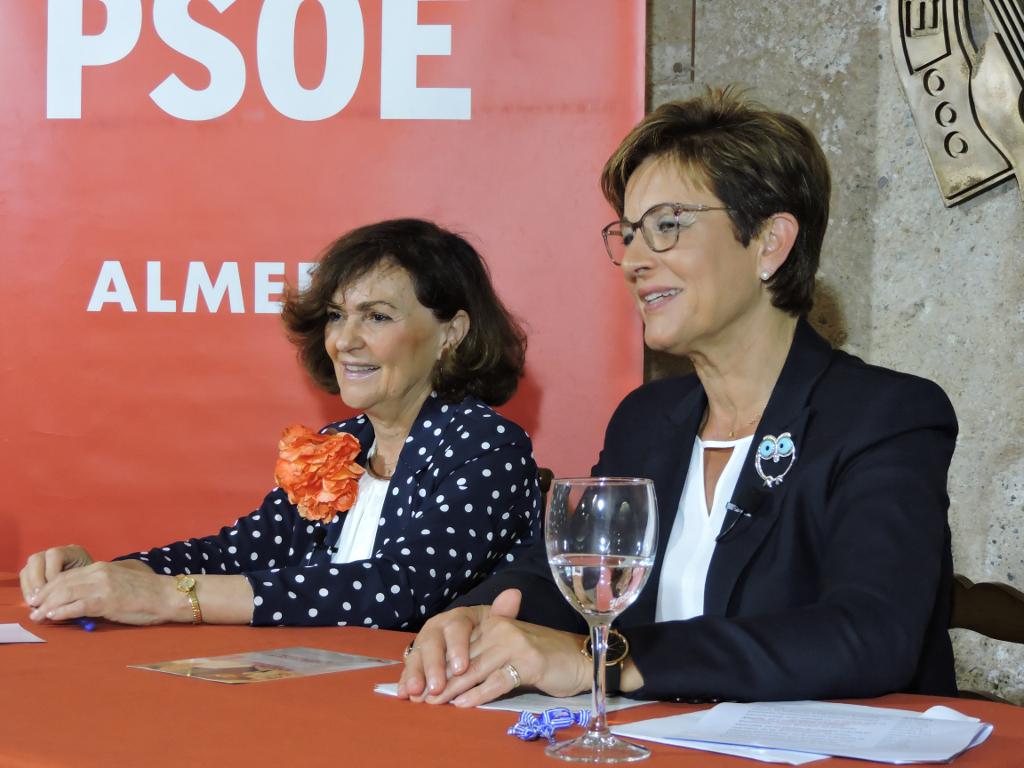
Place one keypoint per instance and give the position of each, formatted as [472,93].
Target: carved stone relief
[967,100]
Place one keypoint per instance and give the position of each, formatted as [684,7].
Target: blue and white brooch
[771,451]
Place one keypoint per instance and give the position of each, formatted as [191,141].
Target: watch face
[618,648]
[186,583]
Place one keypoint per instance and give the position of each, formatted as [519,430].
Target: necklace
[732,432]
[383,474]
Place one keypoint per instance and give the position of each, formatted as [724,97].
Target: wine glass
[601,534]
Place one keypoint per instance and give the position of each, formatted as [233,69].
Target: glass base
[598,748]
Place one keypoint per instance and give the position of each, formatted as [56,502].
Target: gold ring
[514,674]
[408,650]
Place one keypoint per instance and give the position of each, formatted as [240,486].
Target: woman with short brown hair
[803,551]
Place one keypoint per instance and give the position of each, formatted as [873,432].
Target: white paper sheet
[818,729]
[15,633]
[537,702]
[783,756]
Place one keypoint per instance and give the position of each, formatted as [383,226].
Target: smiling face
[384,345]
[706,289]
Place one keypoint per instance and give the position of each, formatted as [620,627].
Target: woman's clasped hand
[65,583]
[463,656]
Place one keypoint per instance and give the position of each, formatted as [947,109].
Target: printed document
[818,730]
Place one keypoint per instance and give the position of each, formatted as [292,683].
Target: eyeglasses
[660,226]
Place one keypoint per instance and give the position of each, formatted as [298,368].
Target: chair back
[989,608]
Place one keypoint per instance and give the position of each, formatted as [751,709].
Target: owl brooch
[771,451]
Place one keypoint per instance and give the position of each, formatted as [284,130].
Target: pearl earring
[765,275]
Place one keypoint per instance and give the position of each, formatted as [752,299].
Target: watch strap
[187,584]
[193,601]
[613,679]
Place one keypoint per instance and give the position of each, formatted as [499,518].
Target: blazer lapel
[326,537]
[434,414]
[666,465]
[363,432]
[756,500]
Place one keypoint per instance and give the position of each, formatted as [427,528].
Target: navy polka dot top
[463,494]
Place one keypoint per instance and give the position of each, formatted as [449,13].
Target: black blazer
[834,582]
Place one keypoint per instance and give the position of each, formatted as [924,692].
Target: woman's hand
[441,648]
[491,639]
[45,566]
[128,593]
[546,659]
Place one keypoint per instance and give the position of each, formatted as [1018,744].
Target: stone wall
[905,282]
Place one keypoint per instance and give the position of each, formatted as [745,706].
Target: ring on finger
[514,674]
[408,650]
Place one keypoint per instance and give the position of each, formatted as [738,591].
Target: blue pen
[86,623]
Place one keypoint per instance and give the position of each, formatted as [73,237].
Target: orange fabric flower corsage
[318,472]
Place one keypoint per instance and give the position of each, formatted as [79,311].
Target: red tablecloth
[73,701]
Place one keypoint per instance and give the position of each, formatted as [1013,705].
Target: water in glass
[601,535]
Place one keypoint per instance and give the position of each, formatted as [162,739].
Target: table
[73,701]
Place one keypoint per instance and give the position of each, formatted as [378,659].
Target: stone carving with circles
[967,100]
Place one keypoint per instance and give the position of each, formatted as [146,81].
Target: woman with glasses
[804,550]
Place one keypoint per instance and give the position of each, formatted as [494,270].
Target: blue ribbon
[531,726]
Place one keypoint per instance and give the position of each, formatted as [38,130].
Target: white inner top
[359,531]
[692,541]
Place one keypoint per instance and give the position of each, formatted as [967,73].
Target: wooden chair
[991,609]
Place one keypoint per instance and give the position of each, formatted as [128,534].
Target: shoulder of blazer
[455,425]
[454,433]
[473,411]
[860,386]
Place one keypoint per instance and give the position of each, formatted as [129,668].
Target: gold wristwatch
[615,658]
[187,584]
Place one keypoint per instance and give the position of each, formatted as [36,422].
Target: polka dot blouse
[463,494]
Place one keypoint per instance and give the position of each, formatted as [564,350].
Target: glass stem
[599,645]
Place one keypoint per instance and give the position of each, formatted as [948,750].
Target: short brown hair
[448,275]
[758,162]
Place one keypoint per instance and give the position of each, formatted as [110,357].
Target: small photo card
[261,666]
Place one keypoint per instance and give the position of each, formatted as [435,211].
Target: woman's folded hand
[118,592]
[441,649]
[45,566]
[489,654]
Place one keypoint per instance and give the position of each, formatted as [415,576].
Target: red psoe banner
[168,165]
